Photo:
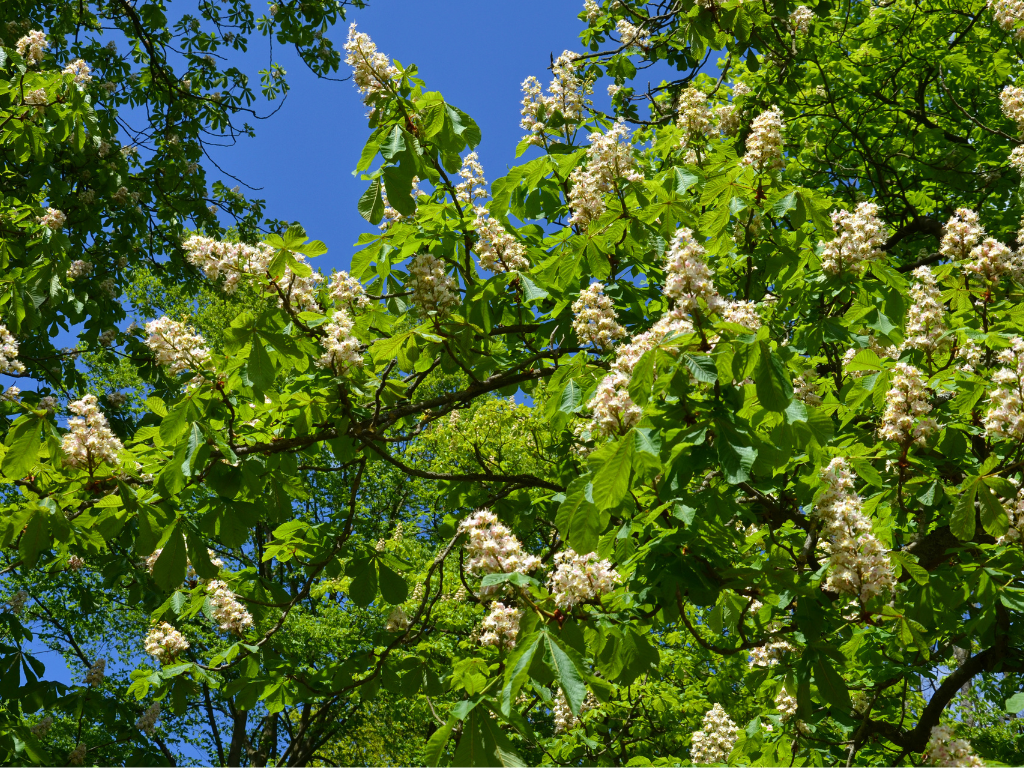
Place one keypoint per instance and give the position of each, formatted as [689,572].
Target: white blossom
[786,705]
[592,10]
[177,346]
[1016,160]
[89,441]
[147,722]
[473,186]
[718,735]
[695,117]
[564,719]
[94,676]
[594,319]
[945,750]
[579,578]
[75,563]
[9,363]
[567,94]
[229,614]
[1005,417]
[990,260]
[372,71]
[858,564]
[764,144]
[926,324]
[53,219]
[800,19]
[17,602]
[499,250]
[631,34]
[805,389]
[742,313]
[347,291]
[492,548]
[343,349]
[32,45]
[77,755]
[80,70]
[40,729]
[860,235]
[906,405]
[37,98]
[769,654]
[164,642]
[687,275]
[609,158]
[1012,101]
[79,269]
[433,290]
[501,626]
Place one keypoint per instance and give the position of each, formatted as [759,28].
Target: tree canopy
[697,437]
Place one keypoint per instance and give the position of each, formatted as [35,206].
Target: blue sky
[476,53]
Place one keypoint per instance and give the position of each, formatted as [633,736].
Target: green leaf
[259,367]
[35,538]
[363,588]
[774,391]
[169,568]
[393,587]
[962,523]
[531,291]
[571,398]
[611,479]
[22,447]
[434,749]
[684,180]
[371,204]
[702,367]
[566,673]
[578,520]
[200,558]
[917,573]
[993,515]
[734,452]
[1015,703]
[830,684]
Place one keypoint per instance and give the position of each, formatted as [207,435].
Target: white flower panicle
[769,654]
[342,348]
[858,564]
[564,719]
[592,10]
[786,705]
[433,290]
[594,319]
[961,234]
[40,729]
[1016,160]
[372,71]
[800,19]
[229,614]
[501,626]
[1012,101]
[860,235]
[75,563]
[945,750]
[1005,418]
[347,291]
[77,755]
[53,219]
[579,578]
[688,277]
[80,71]
[32,45]
[17,602]
[926,324]
[147,722]
[94,676]
[729,118]
[164,642]
[499,250]
[695,116]
[473,186]
[398,620]
[990,260]
[970,354]
[906,404]
[492,548]
[742,313]
[89,441]
[764,144]
[630,34]
[9,363]
[177,346]
[609,158]
[718,735]
[1015,512]
[566,94]
[79,269]
[806,390]
[1008,14]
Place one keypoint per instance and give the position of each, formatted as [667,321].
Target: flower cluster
[800,19]
[94,676]
[230,614]
[805,389]
[990,260]
[79,269]
[609,158]
[579,578]
[1017,155]
[398,620]
[473,186]
[17,602]
[631,34]
[177,346]
[499,251]
[905,405]
[926,326]
[89,441]
[75,563]
[1008,13]
[786,705]
[687,276]
[147,723]
[347,291]
[592,10]
[53,219]
[769,654]
[860,235]
[40,729]
[1012,101]
[594,319]
[343,349]
[37,98]
[565,720]
[566,94]
[232,261]
[944,750]
[77,755]
[80,70]
[764,144]
[433,290]
[1015,513]
[858,565]
[32,45]
[694,116]
[9,362]
[372,71]
[742,313]
[713,743]
[164,642]
[501,626]
[1005,418]
[492,548]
